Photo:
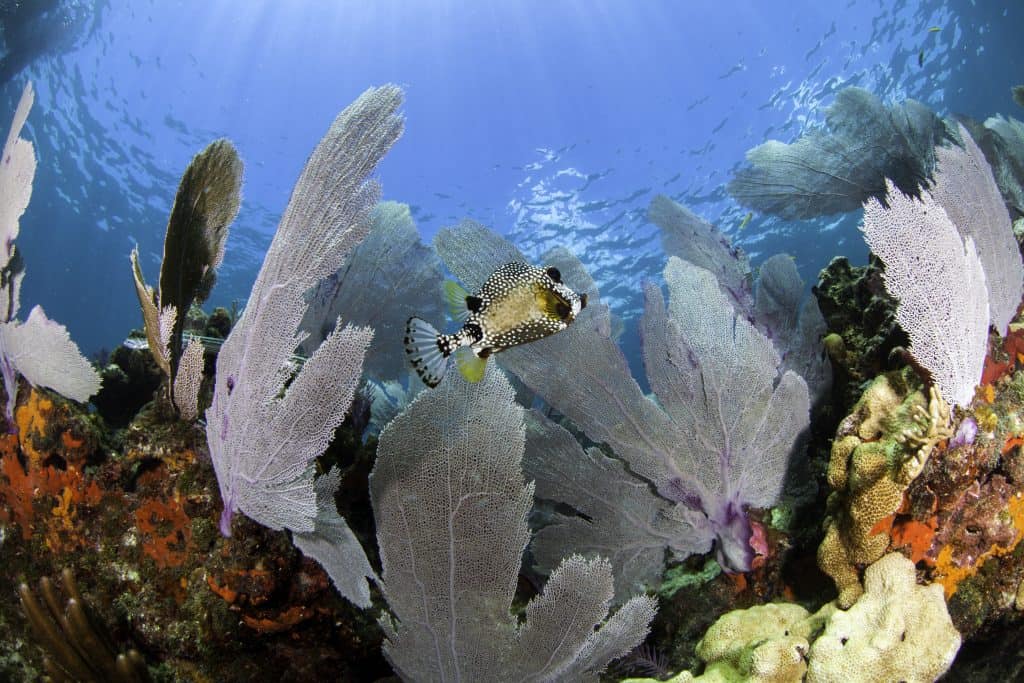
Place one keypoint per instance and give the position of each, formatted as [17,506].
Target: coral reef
[861,319]
[765,644]
[958,514]
[136,517]
[448,561]
[130,378]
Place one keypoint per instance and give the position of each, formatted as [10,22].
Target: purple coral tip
[965,433]
[225,520]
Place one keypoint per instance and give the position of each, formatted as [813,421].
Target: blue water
[552,121]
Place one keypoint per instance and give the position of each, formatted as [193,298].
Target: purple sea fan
[736,421]
[268,423]
[451,503]
[714,440]
[38,349]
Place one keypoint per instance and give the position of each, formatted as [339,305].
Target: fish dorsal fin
[470,365]
[456,297]
[552,305]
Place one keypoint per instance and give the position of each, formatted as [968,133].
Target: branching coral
[78,647]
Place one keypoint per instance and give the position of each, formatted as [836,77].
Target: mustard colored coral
[878,450]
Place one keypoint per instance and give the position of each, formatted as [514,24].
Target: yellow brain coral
[897,631]
[762,644]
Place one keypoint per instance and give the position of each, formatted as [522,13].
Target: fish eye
[554,274]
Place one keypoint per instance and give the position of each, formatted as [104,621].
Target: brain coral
[897,631]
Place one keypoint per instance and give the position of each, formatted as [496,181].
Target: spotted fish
[518,303]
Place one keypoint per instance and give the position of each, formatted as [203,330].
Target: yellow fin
[470,365]
[455,295]
[551,304]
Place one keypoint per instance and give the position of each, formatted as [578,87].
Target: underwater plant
[39,349]
[389,277]
[267,422]
[719,435]
[450,503]
[775,302]
[831,172]
[619,518]
[207,202]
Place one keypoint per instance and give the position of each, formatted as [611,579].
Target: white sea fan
[938,280]
[42,352]
[16,174]
[189,379]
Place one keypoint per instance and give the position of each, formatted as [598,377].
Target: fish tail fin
[428,350]
[471,366]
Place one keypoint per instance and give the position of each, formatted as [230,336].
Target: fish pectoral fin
[552,305]
[470,365]
[457,297]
